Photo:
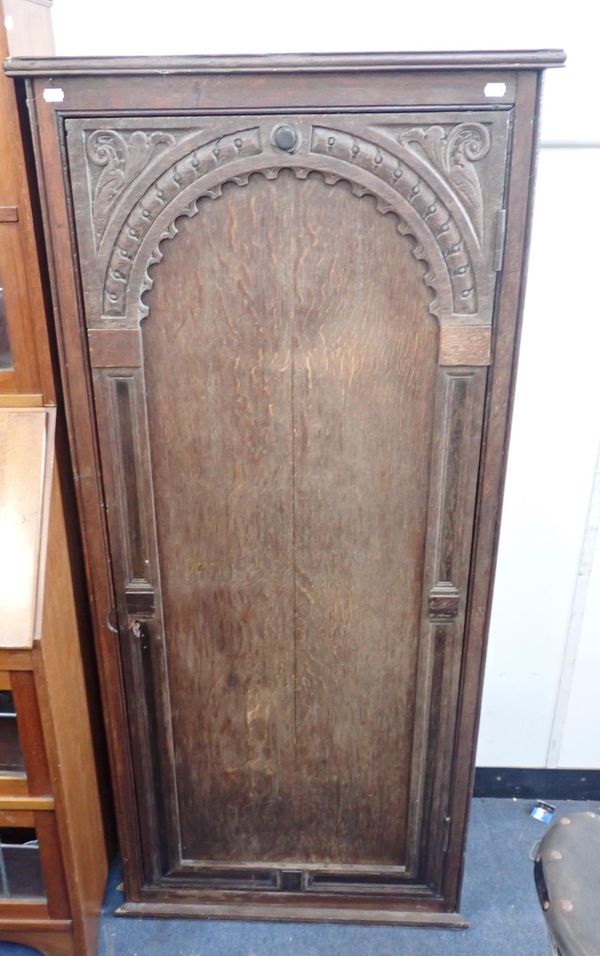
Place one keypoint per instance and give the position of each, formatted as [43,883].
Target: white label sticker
[494,89]
[53,94]
[9,23]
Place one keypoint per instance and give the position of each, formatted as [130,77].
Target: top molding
[284,63]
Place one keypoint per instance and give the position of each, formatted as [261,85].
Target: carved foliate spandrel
[433,176]
[454,151]
[115,159]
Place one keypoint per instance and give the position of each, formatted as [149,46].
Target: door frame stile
[507,324]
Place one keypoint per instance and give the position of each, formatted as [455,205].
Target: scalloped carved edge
[216,154]
[395,172]
[451,270]
[300,172]
[453,152]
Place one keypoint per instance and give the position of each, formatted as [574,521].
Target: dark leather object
[567,875]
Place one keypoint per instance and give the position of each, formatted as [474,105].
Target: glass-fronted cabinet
[6,361]
[20,865]
[11,753]
[31,868]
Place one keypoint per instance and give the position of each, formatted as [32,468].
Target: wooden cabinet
[53,858]
[53,838]
[287,295]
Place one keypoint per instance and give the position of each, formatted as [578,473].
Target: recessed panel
[6,361]
[20,866]
[290,366]
[11,754]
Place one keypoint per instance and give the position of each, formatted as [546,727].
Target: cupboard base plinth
[401,915]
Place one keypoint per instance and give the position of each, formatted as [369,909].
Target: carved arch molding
[132,185]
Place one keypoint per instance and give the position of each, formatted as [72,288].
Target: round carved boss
[286,137]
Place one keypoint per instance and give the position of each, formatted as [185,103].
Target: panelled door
[289,321]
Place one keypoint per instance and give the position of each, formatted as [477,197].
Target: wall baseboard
[537,784]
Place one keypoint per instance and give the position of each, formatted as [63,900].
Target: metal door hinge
[446,837]
[499,241]
[111,621]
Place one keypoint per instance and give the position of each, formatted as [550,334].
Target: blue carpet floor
[499,899]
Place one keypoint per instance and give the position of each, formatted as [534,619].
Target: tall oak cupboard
[287,294]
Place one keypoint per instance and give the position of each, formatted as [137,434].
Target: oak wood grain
[191,473]
[110,349]
[365,355]
[465,345]
[217,359]
[332,579]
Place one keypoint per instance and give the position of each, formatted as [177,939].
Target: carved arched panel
[286,421]
[285,318]
[289,450]
[442,178]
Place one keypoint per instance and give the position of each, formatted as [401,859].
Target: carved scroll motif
[453,152]
[122,158]
[426,179]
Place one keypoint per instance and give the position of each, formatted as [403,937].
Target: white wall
[554,441]
[530,717]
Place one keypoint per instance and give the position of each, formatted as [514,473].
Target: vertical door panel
[290,429]
[364,371]
[218,384]
[289,395]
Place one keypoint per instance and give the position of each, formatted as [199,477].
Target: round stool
[567,877]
